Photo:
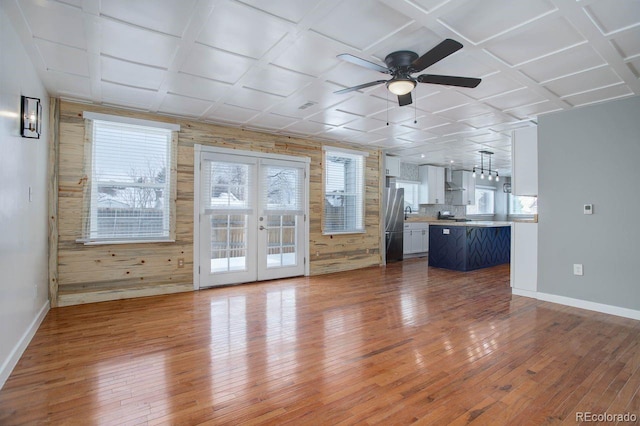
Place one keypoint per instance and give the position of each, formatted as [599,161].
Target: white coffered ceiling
[271,64]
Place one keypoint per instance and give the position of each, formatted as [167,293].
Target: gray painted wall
[590,155]
[23,223]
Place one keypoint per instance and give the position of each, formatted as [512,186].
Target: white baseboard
[578,303]
[9,364]
[525,293]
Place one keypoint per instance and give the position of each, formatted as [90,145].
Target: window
[410,194]
[484,202]
[522,205]
[130,189]
[343,191]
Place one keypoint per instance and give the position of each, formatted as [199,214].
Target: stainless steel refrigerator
[394,223]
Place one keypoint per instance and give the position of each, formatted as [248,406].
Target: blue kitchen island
[465,246]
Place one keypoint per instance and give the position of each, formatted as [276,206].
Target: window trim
[88,115]
[363,189]
[89,118]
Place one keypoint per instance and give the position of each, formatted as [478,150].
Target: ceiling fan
[403,63]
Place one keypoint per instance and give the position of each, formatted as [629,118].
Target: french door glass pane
[228,243]
[288,240]
[281,240]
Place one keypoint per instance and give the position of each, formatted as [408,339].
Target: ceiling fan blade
[449,80]
[363,63]
[405,99]
[360,86]
[441,51]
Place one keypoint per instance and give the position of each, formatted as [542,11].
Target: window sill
[344,232]
[480,216]
[115,242]
[526,218]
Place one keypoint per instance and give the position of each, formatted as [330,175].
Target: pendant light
[490,172]
[490,176]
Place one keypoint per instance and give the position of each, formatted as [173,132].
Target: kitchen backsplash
[432,210]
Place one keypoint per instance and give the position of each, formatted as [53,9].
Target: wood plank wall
[107,272]
[52,198]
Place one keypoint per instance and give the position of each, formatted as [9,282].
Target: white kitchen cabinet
[524,156]
[431,185]
[416,238]
[467,196]
[524,258]
[392,166]
[406,240]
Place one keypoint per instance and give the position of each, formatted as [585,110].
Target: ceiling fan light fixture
[401,86]
[402,64]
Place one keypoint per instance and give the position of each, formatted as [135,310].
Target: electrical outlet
[577,269]
[181,263]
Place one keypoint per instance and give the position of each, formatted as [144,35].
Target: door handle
[262,228]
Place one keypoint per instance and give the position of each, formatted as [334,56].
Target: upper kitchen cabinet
[392,166]
[524,155]
[431,185]
[467,182]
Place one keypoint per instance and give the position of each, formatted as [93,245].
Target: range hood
[449,185]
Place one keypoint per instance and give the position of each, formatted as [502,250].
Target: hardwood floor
[393,345]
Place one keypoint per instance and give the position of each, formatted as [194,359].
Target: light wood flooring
[393,346]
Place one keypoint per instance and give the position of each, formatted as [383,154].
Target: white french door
[251,221]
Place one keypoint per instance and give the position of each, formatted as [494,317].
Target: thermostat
[588,209]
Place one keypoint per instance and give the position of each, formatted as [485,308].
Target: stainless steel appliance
[394,223]
[446,215]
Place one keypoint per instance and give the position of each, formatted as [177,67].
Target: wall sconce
[30,118]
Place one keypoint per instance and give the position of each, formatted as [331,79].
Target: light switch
[577,269]
[445,231]
[588,209]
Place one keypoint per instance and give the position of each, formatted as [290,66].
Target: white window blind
[344,192]
[230,183]
[130,188]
